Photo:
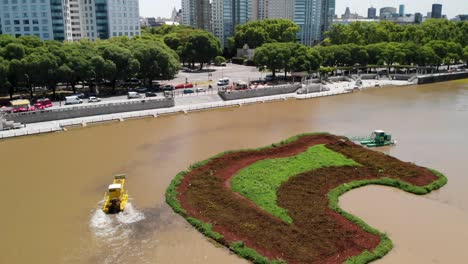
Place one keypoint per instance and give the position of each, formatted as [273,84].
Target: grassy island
[279,204]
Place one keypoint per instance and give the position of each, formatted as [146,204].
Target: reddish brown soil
[318,234]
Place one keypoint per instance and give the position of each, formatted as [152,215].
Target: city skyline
[451,8]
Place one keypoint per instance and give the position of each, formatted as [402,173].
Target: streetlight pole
[29,86]
[95,82]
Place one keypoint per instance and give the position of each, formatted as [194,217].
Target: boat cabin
[114,190]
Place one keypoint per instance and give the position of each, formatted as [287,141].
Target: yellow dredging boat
[116,197]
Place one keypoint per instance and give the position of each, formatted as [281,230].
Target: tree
[14,51]
[273,56]
[201,47]
[454,53]
[303,58]
[440,49]
[4,84]
[465,55]
[155,60]
[219,60]
[426,56]
[258,32]
[392,53]
[126,66]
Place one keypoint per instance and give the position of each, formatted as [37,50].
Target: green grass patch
[260,181]
[250,254]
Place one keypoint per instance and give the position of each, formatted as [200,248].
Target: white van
[73,100]
[133,95]
[223,82]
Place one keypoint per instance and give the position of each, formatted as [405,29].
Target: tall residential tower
[196,13]
[70,20]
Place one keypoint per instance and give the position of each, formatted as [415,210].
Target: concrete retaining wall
[442,77]
[400,77]
[367,76]
[90,110]
[242,94]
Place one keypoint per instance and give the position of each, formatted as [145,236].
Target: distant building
[196,13]
[281,9]
[339,21]
[401,10]
[460,18]
[349,15]
[371,13]
[436,11]
[70,20]
[387,12]
[227,14]
[328,13]
[418,18]
[308,15]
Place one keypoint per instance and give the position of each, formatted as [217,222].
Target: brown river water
[52,184]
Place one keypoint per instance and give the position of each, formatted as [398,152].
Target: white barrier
[162,111]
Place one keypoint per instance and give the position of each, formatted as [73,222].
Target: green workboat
[378,138]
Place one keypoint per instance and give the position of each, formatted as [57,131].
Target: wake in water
[118,225]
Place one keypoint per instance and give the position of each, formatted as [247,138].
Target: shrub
[219,59]
[238,60]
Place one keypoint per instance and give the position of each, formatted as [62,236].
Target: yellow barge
[116,197]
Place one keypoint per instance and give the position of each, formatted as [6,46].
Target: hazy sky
[163,8]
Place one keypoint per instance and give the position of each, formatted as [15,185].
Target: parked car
[74,99]
[43,103]
[94,99]
[167,87]
[200,90]
[223,82]
[188,91]
[132,81]
[222,64]
[133,95]
[184,85]
[141,90]
[150,94]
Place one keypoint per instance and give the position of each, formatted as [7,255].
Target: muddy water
[52,184]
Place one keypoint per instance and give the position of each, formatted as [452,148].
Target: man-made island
[280,203]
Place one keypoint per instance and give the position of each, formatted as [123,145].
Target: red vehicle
[21,105]
[43,103]
[184,85]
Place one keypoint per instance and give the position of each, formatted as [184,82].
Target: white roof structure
[115,186]
[379,131]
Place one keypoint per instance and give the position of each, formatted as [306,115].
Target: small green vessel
[378,138]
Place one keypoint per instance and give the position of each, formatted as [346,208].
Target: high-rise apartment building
[260,9]
[436,11]
[196,13]
[70,19]
[227,14]
[418,18]
[371,13]
[328,13]
[401,10]
[281,9]
[387,12]
[308,15]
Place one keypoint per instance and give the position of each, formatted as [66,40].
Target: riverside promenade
[185,106]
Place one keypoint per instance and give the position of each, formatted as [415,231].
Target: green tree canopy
[258,32]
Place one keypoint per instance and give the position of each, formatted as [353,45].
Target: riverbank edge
[250,254]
